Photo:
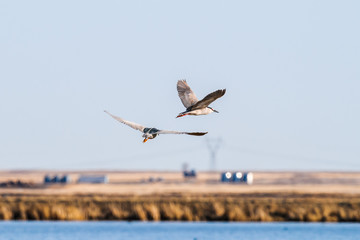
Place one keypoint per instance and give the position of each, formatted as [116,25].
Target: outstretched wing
[208,99]
[186,95]
[130,124]
[175,132]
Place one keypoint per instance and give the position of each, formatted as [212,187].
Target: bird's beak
[215,111]
[145,139]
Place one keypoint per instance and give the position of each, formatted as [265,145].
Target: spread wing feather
[208,99]
[130,124]
[175,132]
[187,96]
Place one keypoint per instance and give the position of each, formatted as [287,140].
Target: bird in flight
[151,133]
[192,104]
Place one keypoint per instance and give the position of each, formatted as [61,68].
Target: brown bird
[192,104]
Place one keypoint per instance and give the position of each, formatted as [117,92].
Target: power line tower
[213,145]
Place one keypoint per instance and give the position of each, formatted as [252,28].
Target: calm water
[176,230]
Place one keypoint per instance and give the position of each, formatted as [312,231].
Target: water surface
[43,230]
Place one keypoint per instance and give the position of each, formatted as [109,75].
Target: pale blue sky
[291,70]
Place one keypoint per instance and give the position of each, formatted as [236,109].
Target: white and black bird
[151,133]
[192,104]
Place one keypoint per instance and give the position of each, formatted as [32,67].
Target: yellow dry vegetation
[315,208]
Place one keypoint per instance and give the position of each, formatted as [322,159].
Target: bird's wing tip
[181,81]
[197,133]
[108,113]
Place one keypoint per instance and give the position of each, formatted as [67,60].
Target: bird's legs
[145,139]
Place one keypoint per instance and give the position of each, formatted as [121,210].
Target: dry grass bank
[250,207]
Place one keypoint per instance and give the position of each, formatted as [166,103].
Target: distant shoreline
[139,183]
[274,196]
[211,207]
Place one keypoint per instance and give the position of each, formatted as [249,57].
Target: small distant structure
[93,179]
[226,177]
[237,177]
[153,179]
[65,179]
[190,174]
[47,179]
[56,179]
[249,178]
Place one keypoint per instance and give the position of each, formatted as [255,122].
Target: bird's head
[148,136]
[213,109]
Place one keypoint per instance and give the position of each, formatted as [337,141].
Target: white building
[93,179]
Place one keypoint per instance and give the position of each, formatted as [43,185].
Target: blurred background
[284,146]
[291,70]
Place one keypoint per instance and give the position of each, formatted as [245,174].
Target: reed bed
[182,208]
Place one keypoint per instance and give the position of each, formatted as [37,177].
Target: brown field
[136,183]
[274,196]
